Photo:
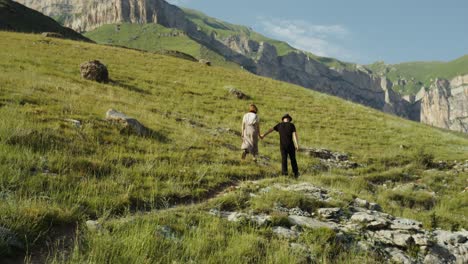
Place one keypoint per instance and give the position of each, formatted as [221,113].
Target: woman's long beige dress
[251,134]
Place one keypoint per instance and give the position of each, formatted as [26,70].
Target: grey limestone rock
[130,125]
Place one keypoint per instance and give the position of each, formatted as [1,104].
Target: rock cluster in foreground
[364,226]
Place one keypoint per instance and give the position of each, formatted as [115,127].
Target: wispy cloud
[322,40]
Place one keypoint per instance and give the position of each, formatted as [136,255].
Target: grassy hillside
[55,175]
[16,17]
[156,38]
[420,73]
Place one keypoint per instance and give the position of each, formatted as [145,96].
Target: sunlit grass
[55,173]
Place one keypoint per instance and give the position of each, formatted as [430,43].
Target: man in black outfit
[288,143]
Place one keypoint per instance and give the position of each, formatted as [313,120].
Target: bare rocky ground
[362,225]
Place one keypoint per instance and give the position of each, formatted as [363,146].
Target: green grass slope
[420,73]
[16,17]
[55,175]
[155,38]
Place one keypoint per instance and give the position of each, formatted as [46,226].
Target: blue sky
[361,31]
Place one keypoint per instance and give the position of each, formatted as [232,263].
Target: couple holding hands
[288,138]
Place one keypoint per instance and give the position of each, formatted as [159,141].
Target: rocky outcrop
[445,104]
[361,226]
[261,58]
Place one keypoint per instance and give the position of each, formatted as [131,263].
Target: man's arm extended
[266,134]
[296,140]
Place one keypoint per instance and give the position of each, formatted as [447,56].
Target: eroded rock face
[445,105]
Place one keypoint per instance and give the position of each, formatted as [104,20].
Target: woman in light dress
[250,132]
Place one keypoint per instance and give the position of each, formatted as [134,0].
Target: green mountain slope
[55,174]
[16,17]
[155,38]
[418,74]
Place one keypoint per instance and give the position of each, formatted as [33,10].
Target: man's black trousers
[291,152]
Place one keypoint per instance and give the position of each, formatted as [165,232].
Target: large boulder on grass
[129,125]
[52,35]
[205,62]
[95,71]
[236,92]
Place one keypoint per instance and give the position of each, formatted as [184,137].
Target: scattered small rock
[309,222]
[285,232]
[52,35]
[95,71]
[94,226]
[330,159]
[166,232]
[130,125]
[237,93]
[205,62]
[76,123]
[332,214]
[361,203]
[8,238]
[405,224]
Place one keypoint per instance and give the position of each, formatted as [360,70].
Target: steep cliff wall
[357,85]
[445,105]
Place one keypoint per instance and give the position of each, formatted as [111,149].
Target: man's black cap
[287,116]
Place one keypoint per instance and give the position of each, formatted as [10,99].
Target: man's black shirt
[285,130]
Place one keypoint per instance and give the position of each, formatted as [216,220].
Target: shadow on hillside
[131,88]
[144,132]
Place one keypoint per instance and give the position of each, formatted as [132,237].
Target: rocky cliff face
[85,15]
[358,85]
[445,105]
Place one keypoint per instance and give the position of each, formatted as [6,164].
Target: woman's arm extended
[243,128]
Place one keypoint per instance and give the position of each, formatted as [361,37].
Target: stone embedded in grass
[166,232]
[76,123]
[10,240]
[332,214]
[94,226]
[205,62]
[365,204]
[309,222]
[371,220]
[285,232]
[52,35]
[330,159]
[130,125]
[95,71]
[405,224]
[236,92]
[361,203]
